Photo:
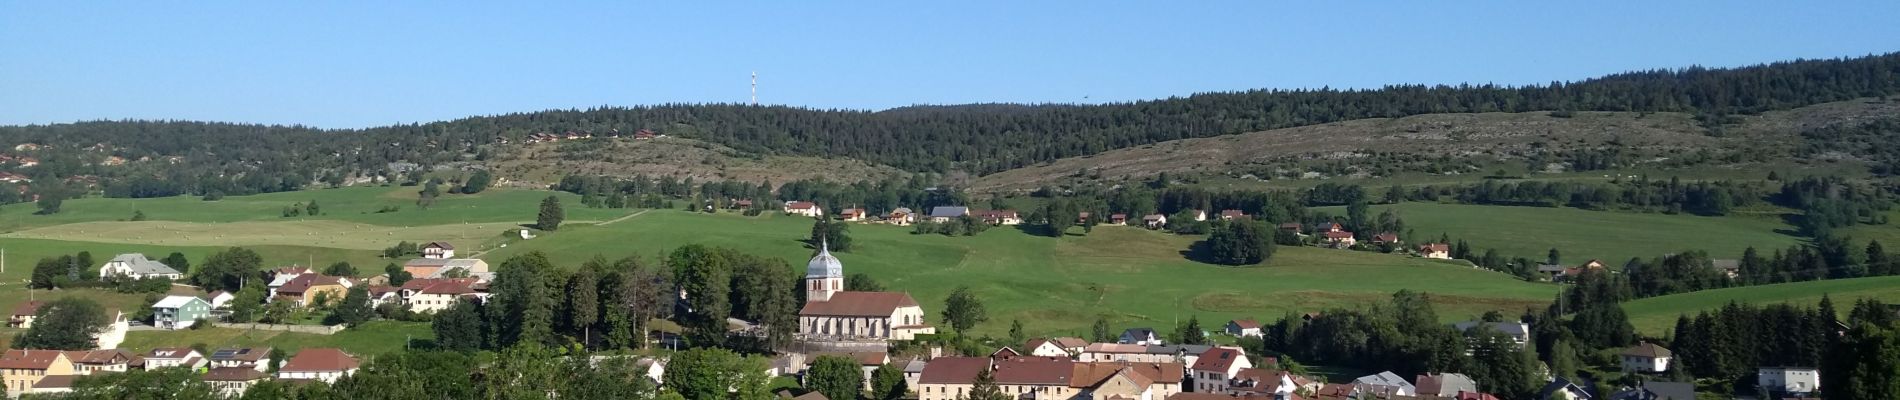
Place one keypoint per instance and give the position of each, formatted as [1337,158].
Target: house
[851,214]
[1293,227]
[902,216]
[322,363]
[949,378]
[942,214]
[384,294]
[233,381]
[438,250]
[313,290]
[1731,268]
[1646,357]
[913,370]
[433,295]
[1386,238]
[1216,368]
[832,313]
[1791,380]
[165,357]
[1140,336]
[1000,217]
[1554,271]
[23,314]
[53,385]
[1520,333]
[1185,354]
[1259,381]
[1338,238]
[1118,219]
[1034,377]
[1444,385]
[179,312]
[1126,380]
[21,369]
[1230,215]
[100,361]
[1046,348]
[1199,215]
[1658,390]
[1082,218]
[257,358]
[136,266]
[219,299]
[1435,250]
[1331,227]
[804,208]
[741,204]
[1383,385]
[1154,221]
[282,276]
[1243,328]
[1073,345]
[445,268]
[1563,389]
[1005,352]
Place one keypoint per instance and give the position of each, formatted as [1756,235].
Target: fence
[313,329]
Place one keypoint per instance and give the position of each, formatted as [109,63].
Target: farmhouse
[91,361]
[179,312]
[1338,238]
[1118,219]
[1243,328]
[1199,215]
[942,214]
[219,299]
[1154,221]
[1435,250]
[433,295]
[1000,217]
[438,250]
[851,214]
[832,313]
[902,216]
[1646,357]
[741,204]
[309,290]
[1386,238]
[21,369]
[1730,267]
[322,364]
[804,208]
[1520,333]
[1293,227]
[136,266]
[23,315]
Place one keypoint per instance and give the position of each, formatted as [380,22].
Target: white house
[1243,328]
[804,208]
[322,364]
[232,382]
[136,266]
[1154,221]
[1646,357]
[433,295]
[1216,368]
[1046,348]
[255,358]
[1789,379]
[1140,336]
[438,250]
[174,357]
[219,299]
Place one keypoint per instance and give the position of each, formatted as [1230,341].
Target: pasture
[1656,315]
[1582,235]
[349,204]
[1133,276]
[372,338]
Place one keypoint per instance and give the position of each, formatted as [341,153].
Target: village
[866,326]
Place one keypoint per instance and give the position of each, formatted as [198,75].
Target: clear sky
[342,64]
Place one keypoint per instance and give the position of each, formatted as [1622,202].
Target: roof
[170,353]
[953,370]
[1338,235]
[1153,217]
[824,265]
[304,282]
[1115,348]
[28,308]
[1215,396]
[1092,374]
[139,265]
[106,356]
[1069,342]
[902,210]
[1647,349]
[321,359]
[859,304]
[812,395]
[1386,237]
[176,301]
[949,211]
[1139,333]
[233,374]
[1245,323]
[1444,384]
[453,286]
[29,359]
[245,354]
[1217,359]
[1726,264]
[1560,383]
[56,382]
[1514,329]
[1386,378]
[1434,247]
[1034,371]
[800,205]
[1670,390]
[440,245]
[1232,213]
[851,211]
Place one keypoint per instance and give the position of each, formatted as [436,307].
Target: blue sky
[354,64]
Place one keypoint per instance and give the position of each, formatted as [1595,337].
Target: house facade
[1788,379]
[851,214]
[233,381]
[23,314]
[434,295]
[99,361]
[179,312]
[438,250]
[832,313]
[902,216]
[1435,250]
[1243,328]
[321,364]
[136,266]
[804,208]
[166,357]
[1215,368]
[1139,336]
[21,369]
[1646,357]
[944,214]
[309,289]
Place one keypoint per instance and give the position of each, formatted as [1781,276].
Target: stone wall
[312,329]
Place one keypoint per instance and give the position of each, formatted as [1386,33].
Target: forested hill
[980,139]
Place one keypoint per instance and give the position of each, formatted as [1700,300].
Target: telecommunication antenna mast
[755,88]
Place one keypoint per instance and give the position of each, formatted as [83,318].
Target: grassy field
[371,338]
[1656,315]
[1582,235]
[1059,286]
[21,254]
[349,204]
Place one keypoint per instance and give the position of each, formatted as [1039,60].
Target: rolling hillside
[1656,315]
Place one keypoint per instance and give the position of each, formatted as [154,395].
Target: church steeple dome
[824,265]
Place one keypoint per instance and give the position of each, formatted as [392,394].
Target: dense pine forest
[978,139]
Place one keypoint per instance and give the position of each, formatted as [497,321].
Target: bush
[200,324]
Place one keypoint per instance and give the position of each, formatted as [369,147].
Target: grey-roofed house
[1562,389]
[1444,385]
[136,266]
[1519,332]
[941,214]
[1384,385]
[1141,336]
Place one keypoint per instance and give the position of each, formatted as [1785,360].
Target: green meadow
[1581,235]
[349,204]
[1656,315]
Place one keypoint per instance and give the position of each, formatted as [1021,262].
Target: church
[834,314]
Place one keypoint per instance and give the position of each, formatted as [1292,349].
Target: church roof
[859,304]
[824,265]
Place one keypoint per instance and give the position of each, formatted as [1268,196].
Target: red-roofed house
[1127,380]
[1385,238]
[21,369]
[23,315]
[433,295]
[1338,238]
[949,378]
[1230,215]
[1037,377]
[1440,251]
[851,214]
[438,250]
[305,289]
[804,208]
[1118,219]
[1000,217]
[1154,221]
[1216,366]
[323,364]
